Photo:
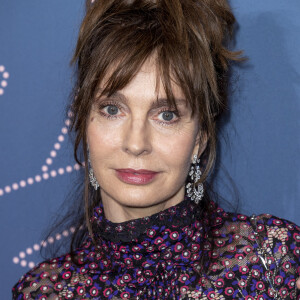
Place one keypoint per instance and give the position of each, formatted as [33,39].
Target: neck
[117,212]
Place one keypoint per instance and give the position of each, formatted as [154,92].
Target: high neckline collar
[180,215]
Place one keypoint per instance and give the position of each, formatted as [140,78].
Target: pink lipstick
[132,176]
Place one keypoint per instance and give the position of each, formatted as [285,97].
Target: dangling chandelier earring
[195,191]
[92,177]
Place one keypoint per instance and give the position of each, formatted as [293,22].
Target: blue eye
[112,109]
[167,116]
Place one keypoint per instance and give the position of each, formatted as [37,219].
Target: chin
[143,197]
[139,199]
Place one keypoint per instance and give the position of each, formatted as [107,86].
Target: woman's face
[140,148]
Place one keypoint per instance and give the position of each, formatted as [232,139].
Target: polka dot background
[3,82]
[37,170]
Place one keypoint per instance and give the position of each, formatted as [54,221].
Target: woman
[151,84]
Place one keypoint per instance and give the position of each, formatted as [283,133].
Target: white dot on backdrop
[50,239]
[61,171]
[72,229]
[43,243]
[30,180]
[29,251]
[64,130]
[70,114]
[1,192]
[38,178]
[5,75]
[23,263]
[16,260]
[1,91]
[65,233]
[15,186]
[58,236]
[57,146]
[4,83]
[36,247]
[53,153]
[76,167]
[69,169]
[68,122]
[53,173]
[22,254]
[45,176]
[22,183]
[49,161]
[7,189]
[2,68]
[44,168]
[61,138]
[31,264]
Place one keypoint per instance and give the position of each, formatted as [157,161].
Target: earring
[195,192]
[93,179]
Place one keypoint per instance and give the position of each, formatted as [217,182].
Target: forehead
[147,83]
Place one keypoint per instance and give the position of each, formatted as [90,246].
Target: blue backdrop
[37,170]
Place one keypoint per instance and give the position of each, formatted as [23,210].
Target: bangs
[124,41]
[120,74]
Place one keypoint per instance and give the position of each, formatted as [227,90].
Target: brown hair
[189,39]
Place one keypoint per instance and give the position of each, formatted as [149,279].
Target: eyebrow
[118,95]
[165,102]
[160,102]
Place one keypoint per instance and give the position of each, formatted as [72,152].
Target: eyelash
[110,117]
[175,112]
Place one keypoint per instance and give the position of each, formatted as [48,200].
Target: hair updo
[190,41]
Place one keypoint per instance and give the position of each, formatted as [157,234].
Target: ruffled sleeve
[256,257]
[279,249]
[36,283]
[53,279]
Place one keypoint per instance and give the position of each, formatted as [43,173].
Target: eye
[111,109]
[167,116]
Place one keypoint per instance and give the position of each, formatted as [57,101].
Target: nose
[136,139]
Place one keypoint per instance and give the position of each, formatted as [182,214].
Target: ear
[200,143]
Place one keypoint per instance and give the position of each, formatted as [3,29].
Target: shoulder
[256,251]
[265,229]
[275,233]
[278,237]
[277,229]
[263,235]
[51,278]
[264,225]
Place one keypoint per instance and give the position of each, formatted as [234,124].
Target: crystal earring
[93,179]
[195,192]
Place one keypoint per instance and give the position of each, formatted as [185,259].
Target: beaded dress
[157,257]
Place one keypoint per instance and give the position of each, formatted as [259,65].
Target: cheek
[177,151]
[101,140]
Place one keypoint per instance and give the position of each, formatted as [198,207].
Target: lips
[138,177]
[141,171]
